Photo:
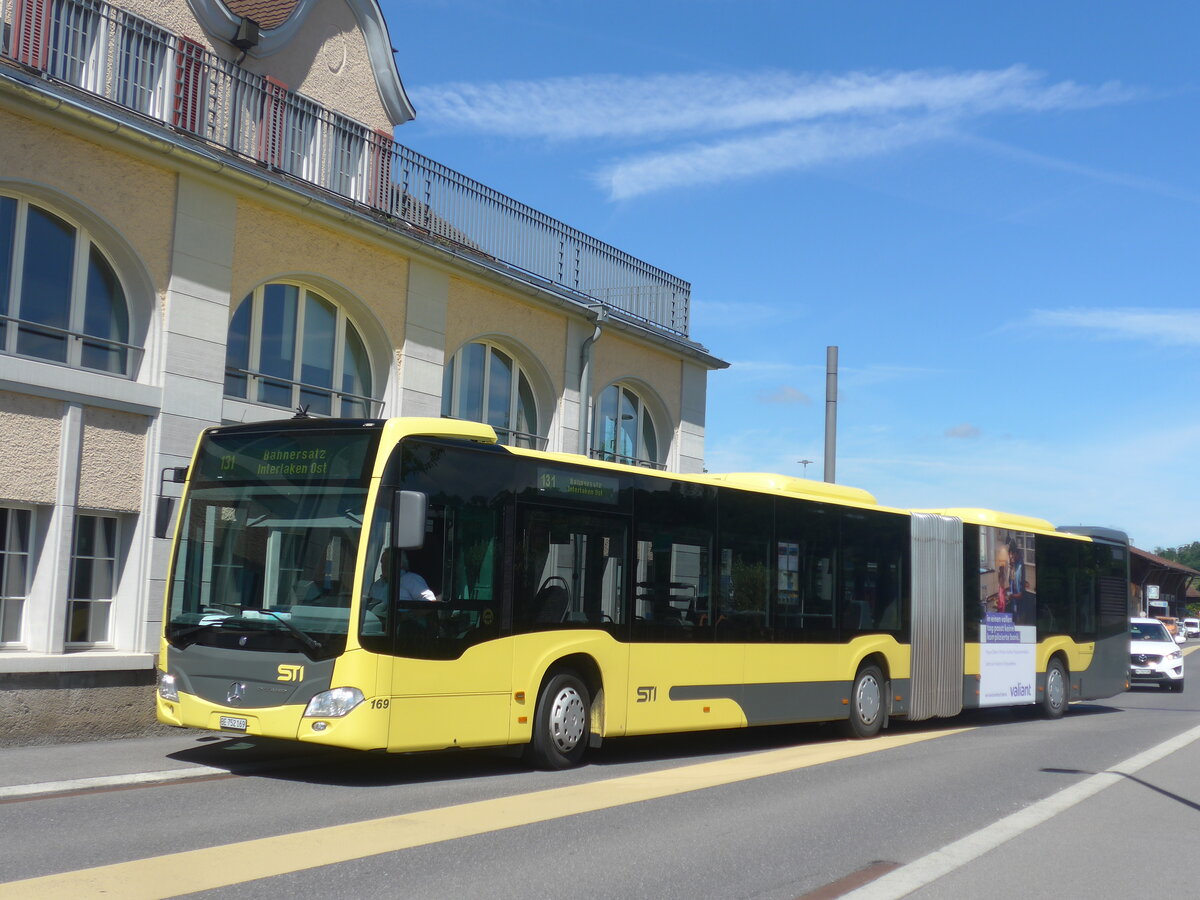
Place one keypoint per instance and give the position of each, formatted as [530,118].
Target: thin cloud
[616,106]
[721,314]
[1104,176]
[965,431]
[791,149]
[1175,328]
[786,395]
[710,128]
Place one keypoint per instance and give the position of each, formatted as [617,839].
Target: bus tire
[561,723]
[1055,696]
[866,703]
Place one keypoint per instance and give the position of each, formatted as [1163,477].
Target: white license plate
[1137,671]
[234,722]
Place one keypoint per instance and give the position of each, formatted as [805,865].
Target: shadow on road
[287,760]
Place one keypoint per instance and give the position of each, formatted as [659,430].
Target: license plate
[1137,671]
[235,723]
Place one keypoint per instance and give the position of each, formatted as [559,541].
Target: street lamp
[805,463]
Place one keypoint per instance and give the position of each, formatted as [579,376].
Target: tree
[1186,554]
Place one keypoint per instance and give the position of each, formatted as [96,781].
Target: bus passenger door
[451,677]
[681,677]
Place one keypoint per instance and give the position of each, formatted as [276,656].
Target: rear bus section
[1045,612]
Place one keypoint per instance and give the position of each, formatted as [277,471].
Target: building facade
[204,219]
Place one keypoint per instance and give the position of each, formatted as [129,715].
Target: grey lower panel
[1109,671]
[775,704]
[212,672]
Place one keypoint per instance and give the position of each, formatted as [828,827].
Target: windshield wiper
[310,642]
[183,633]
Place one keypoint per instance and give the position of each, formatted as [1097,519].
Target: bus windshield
[268,563]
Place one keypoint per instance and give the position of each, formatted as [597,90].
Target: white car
[1191,627]
[1154,657]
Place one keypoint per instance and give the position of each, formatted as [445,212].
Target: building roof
[267,13]
[1175,567]
[281,19]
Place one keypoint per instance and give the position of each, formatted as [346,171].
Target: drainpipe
[585,377]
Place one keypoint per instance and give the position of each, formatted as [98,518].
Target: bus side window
[746,522]
[673,571]
[807,568]
[571,571]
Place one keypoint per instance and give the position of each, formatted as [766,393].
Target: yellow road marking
[215,867]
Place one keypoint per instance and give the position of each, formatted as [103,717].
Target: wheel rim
[568,719]
[1055,688]
[867,699]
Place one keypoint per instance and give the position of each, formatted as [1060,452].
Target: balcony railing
[37,340]
[134,63]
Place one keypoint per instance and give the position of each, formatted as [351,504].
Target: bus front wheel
[1054,698]
[866,703]
[561,723]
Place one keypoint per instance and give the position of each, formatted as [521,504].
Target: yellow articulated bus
[410,584]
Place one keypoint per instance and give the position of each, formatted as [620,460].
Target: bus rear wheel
[1054,698]
[867,698]
[561,723]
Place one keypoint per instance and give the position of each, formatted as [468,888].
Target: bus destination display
[285,457]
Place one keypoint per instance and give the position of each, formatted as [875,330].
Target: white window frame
[257,376]
[348,144]
[136,31]
[84,243]
[452,406]
[642,413]
[107,641]
[89,40]
[6,510]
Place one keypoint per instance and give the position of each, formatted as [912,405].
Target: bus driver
[412,586]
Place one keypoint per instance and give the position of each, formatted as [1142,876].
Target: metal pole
[831,366]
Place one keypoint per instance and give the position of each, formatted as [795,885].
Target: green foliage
[1188,554]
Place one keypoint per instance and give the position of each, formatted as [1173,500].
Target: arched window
[60,297]
[484,383]
[624,429]
[289,346]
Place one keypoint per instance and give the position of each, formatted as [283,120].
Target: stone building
[204,219]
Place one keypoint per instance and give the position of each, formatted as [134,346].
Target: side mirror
[408,520]
[164,516]
[164,510]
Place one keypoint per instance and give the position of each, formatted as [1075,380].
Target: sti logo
[647,694]
[291,673]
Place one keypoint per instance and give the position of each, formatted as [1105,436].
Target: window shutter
[32,18]
[380,148]
[191,84]
[271,127]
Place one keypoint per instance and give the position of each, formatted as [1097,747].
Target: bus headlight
[167,689]
[333,704]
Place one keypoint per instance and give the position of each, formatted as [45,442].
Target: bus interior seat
[551,604]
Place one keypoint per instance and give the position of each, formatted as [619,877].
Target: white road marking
[22,791]
[929,868]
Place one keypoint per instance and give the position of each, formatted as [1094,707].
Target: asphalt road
[997,803]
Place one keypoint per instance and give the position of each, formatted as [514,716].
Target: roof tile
[267,13]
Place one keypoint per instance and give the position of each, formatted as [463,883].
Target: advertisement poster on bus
[1007,617]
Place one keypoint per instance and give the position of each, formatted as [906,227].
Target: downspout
[585,377]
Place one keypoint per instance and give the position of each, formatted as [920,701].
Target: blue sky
[991,209]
